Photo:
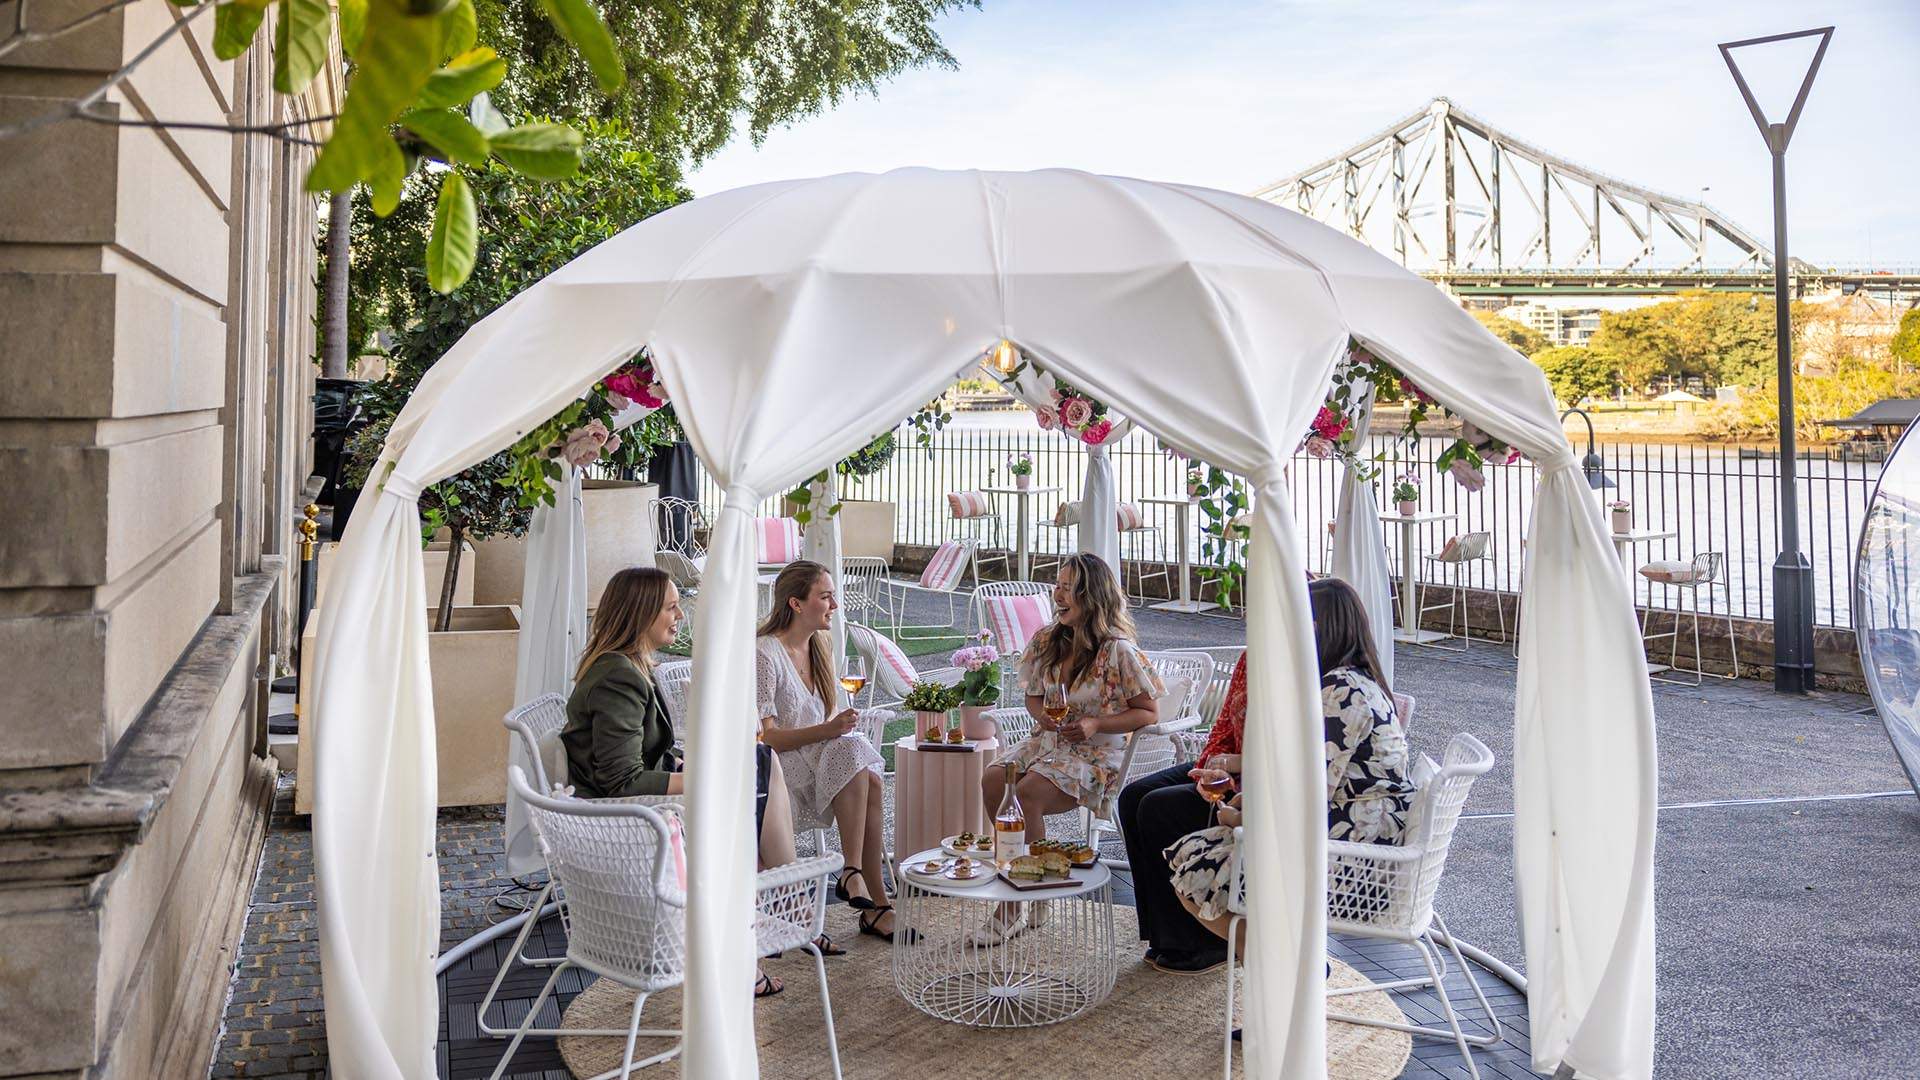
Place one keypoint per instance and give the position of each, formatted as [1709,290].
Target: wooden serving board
[1042,885]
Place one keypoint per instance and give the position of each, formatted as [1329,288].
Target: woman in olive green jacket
[618,738]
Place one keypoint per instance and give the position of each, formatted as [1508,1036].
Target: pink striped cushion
[1129,516]
[779,540]
[969,504]
[1015,619]
[1068,514]
[944,569]
[891,668]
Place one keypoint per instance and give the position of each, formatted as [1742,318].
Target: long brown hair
[796,582]
[633,599]
[1341,636]
[1066,652]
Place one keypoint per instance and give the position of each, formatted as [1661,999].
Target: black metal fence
[1710,498]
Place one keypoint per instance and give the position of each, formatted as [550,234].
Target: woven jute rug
[1154,1023]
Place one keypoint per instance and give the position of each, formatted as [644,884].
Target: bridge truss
[1447,193]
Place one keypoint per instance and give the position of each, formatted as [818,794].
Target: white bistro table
[1409,630]
[1624,543]
[1186,603]
[1047,974]
[1023,521]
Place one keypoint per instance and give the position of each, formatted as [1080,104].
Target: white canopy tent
[1211,319]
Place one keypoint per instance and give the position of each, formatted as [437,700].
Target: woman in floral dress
[1368,793]
[1090,651]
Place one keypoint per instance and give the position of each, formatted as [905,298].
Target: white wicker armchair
[625,910]
[1387,891]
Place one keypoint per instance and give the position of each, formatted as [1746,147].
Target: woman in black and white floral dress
[1368,793]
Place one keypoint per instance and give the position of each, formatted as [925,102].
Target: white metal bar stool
[1452,560]
[1133,528]
[1703,571]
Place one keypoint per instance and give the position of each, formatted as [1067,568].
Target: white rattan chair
[625,907]
[1207,700]
[673,678]
[890,672]
[1703,571]
[1006,635]
[537,725]
[1152,748]
[1452,560]
[1386,892]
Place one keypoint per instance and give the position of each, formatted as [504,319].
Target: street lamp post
[1792,573]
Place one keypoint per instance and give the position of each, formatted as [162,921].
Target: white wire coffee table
[1044,975]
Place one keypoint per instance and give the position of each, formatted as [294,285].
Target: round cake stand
[1043,975]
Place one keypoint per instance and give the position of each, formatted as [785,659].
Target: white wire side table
[1045,974]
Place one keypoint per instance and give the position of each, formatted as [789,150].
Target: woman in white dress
[833,772]
[1089,650]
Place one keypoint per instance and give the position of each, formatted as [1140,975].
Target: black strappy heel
[857,903]
[871,926]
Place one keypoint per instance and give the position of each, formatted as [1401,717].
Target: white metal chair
[673,678]
[1452,560]
[941,577]
[1152,748]
[686,572]
[537,725]
[1703,571]
[978,519]
[998,607]
[625,908]
[1207,700]
[1144,540]
[890,672]
[1065,519]
[863,592]
[1386,892]
[680,525]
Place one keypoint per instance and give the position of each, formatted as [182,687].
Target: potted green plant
[1406,493]
[931,702]
[1021,466]
[979,685]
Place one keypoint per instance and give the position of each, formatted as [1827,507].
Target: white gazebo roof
[790,321]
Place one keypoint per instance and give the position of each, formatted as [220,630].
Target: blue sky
[1234,93]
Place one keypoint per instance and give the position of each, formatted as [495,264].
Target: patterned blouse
[1368,789]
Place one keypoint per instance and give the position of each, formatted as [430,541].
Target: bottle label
[1009,844]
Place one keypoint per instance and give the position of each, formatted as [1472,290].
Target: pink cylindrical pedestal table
[936,793]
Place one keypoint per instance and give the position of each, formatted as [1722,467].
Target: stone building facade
[156,332]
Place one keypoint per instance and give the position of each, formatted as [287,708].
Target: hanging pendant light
[1005,357]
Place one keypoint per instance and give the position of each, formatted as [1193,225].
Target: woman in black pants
[1157,810]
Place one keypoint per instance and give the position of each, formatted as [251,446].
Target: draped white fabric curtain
[1360,551]
[788,319]
[553,631]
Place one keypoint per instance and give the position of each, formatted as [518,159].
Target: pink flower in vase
[1076,412]
[1097,432]
[1466,475]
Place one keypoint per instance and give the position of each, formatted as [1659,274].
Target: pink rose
[613,444]
[1513,455]
[1468,477]
[1046,418]
[1097,432]
[618,400]
[1076,412]
[1328,424]
[585,443]
[625,383]
[1407,388]
[1318,446]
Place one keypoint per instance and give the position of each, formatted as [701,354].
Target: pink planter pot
[975,723]
[1022,481]
[930,726]
[1406,508]
[1622,521]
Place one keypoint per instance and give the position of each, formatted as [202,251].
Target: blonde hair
[1066,653]
[631,603]
[796,582]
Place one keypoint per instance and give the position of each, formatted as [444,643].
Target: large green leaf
[472,72]
[353,25]
[300,38]
[388,176]
[449,132]
[456,236]
[458,29]
[234,25]
[543,151]
[395,58]
[579,23]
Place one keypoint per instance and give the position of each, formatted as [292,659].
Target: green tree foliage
[1725,339]
[1577,372]
[696,67]
[1524,339]
[1906,342]
[1853,384]
[525,229]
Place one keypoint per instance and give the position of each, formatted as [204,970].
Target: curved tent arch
[884,287]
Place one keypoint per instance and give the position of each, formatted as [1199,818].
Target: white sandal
[997,931]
